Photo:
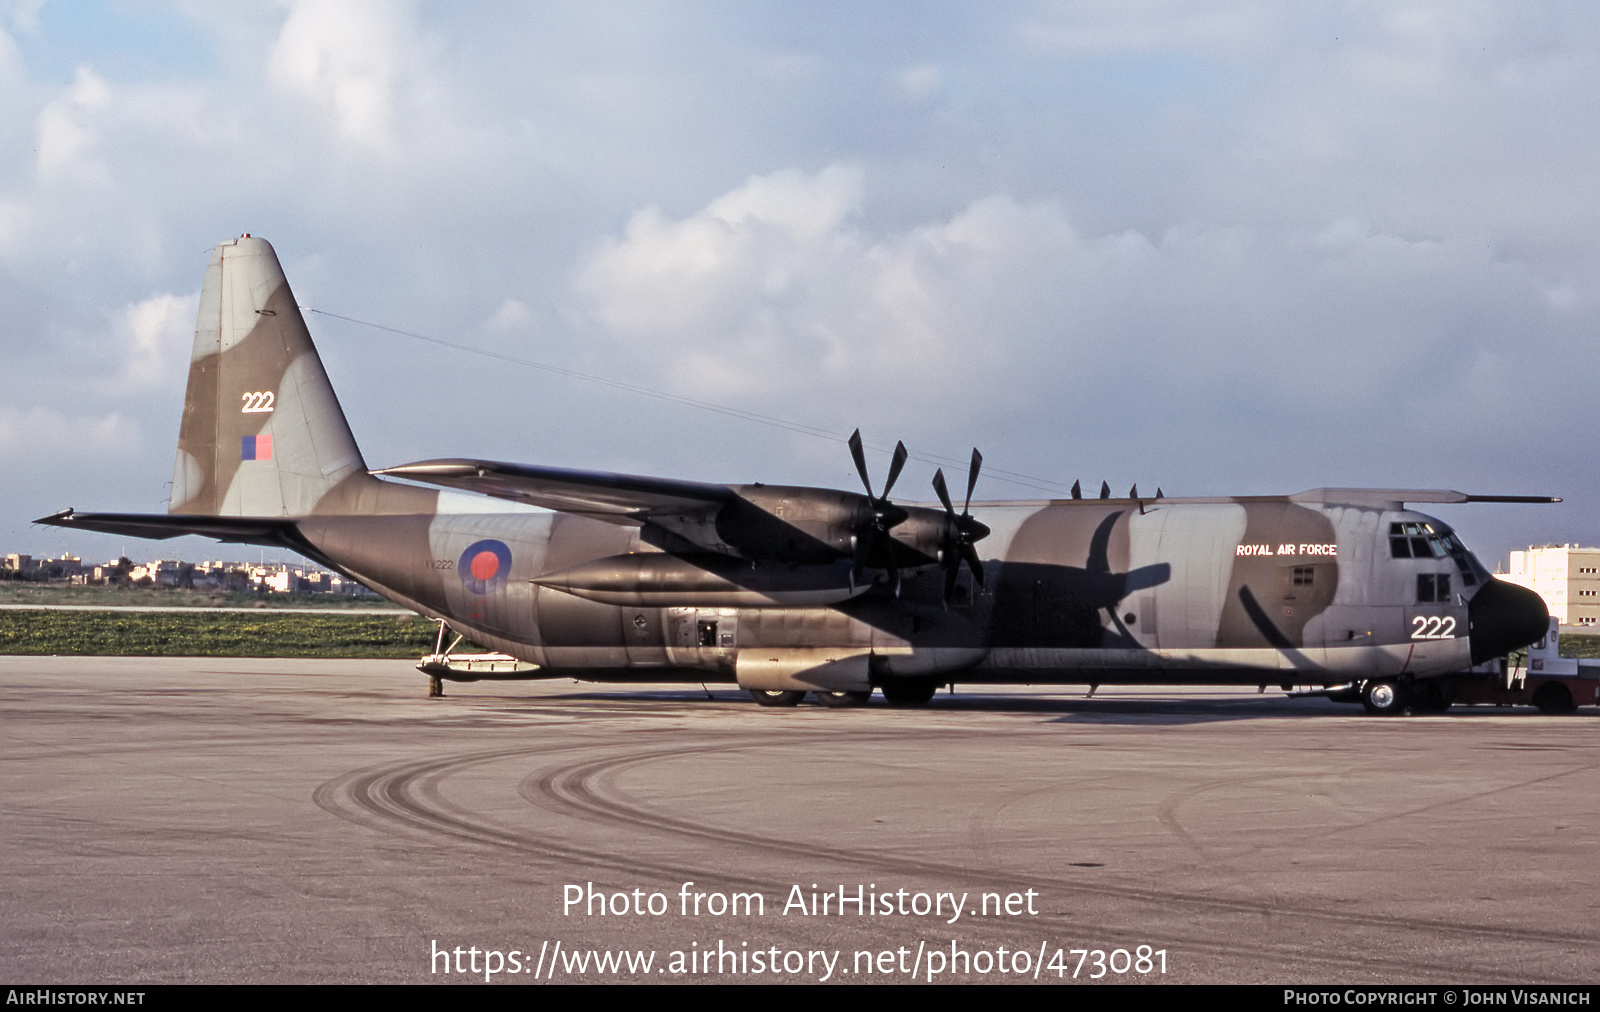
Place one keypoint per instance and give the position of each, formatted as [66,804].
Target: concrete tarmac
[222,820]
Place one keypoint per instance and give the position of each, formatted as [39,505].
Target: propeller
[965,530]
[885,514]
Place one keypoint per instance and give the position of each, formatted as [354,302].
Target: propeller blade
[860,457]
[944,493]
[1133,493]
[972,478]
[1105,490]
[895,465]
[1158,491]
[974,563]
[859,557]
[1077,490]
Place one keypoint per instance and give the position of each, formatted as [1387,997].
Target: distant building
[64,568]
[1566,576]
[214,575]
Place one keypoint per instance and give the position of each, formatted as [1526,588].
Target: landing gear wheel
[777,697]
[435,687]
[1384,698]
[1555,698]
[843,699]
[909,692]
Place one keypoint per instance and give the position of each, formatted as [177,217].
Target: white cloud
[156,335]
[67,135]
[352,58]
[776,290]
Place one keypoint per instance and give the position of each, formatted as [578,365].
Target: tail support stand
[435,683]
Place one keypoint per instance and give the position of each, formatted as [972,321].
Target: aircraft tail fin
[263,434]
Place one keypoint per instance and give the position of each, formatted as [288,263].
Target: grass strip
[214,634]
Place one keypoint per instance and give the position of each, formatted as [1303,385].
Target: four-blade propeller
[875,546]
[965,530]
[874,543]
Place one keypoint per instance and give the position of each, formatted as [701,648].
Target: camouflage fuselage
[1233,591]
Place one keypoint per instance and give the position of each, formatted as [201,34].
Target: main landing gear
[843,699]
[777,697]
[899,693]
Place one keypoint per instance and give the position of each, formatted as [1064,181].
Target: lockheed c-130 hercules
[790,590]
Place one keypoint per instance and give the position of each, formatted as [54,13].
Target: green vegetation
[1580,646]
[163,597]
[216,634]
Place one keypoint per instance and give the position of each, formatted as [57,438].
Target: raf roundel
[484,565]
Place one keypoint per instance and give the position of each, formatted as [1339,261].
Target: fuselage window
[1303,575]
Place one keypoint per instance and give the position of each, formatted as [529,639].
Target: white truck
[1553,683]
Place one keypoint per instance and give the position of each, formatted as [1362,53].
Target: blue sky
[1223,248]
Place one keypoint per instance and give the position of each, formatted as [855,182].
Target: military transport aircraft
[789,590]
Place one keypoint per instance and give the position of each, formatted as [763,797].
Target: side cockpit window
[1433,588]
[1432,541]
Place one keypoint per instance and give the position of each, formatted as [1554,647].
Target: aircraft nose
[1502,617]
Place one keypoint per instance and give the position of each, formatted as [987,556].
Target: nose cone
[1503,617]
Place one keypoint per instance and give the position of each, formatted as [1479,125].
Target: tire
[843,699]
[909,692]
[777,697]
[1555,698]
[1384,698]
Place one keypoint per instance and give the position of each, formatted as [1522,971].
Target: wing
[616,498]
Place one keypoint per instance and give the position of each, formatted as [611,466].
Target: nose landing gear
[1384,698]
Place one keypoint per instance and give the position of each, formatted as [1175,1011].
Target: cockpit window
[1433,588]
[1433,541]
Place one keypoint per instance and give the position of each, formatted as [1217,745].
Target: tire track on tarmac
[413,795]
[582,787]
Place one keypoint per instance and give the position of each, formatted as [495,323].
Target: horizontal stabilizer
[278,531]
[619,498]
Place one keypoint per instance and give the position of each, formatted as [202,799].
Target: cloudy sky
[1225,247]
